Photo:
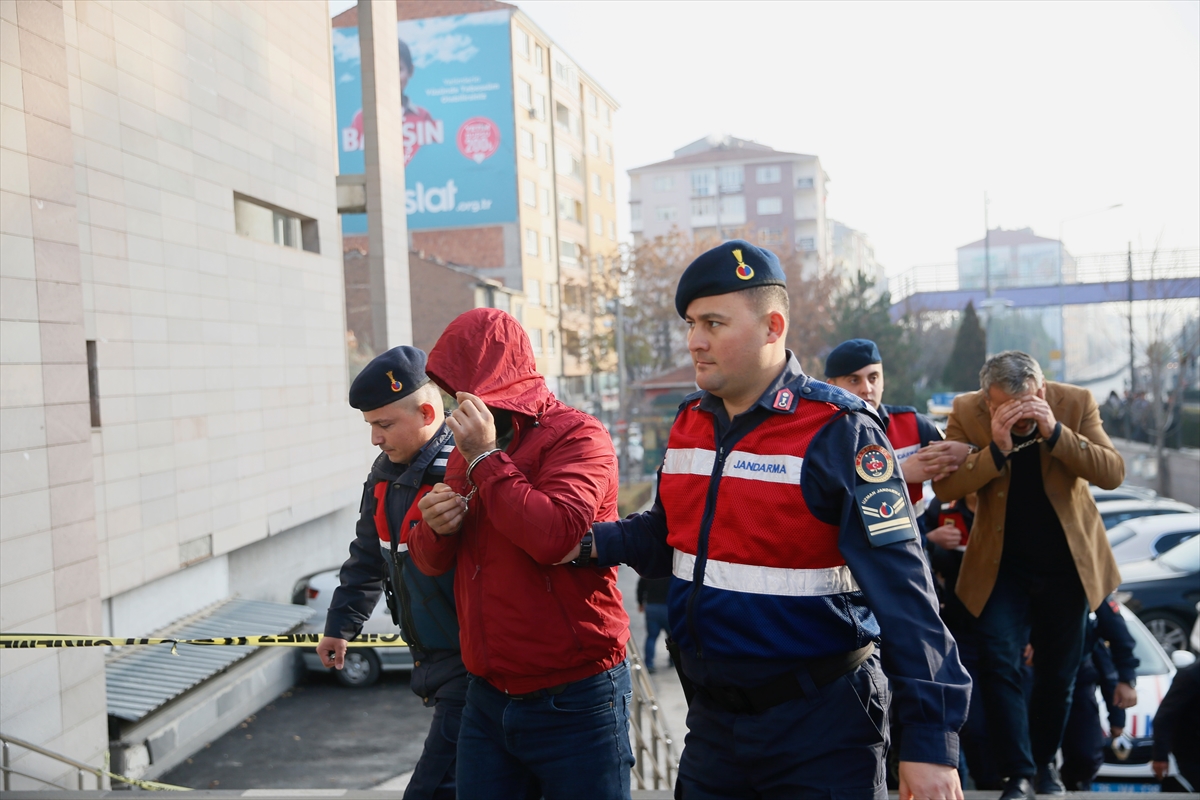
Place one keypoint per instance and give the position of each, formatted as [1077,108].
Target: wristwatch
[585,552]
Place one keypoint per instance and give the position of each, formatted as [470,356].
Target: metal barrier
[80,768]
[657,761]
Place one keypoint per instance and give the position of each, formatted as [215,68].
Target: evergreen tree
[970,351]
[859,313]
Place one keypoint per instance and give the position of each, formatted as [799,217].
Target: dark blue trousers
[656,623]
[574,745]
[433,777]
[1049,612]
[830,745]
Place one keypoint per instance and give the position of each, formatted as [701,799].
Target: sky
[1055,110]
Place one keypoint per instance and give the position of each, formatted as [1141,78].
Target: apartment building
[725,187]
[173,421]
[509,172]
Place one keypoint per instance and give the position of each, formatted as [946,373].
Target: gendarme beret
[851,356]
[728,267]
[389,377]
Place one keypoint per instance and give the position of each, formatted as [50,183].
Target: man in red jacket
[547,703]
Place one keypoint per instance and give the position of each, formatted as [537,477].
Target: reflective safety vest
[756,575]
[906,440]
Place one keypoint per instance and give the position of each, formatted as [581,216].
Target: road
[318,735]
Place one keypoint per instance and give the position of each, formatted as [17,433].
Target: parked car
[1147,537]
[1129,762]
[1126,491]
[1163,592]
[1114,512]
[363,665]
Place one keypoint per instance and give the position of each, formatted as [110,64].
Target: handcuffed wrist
[475,461]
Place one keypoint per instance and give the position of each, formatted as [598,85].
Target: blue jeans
[656,623]
[1049,612]
[433,775]
[830,745]
[572,745]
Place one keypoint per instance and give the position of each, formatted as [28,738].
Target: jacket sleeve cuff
[608,544]
[930,744]
[1053,440]
[997,456]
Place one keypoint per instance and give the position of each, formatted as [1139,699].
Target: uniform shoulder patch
[874,464]
[885,513]
[783,400]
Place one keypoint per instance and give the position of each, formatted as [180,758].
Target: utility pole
[1132,372]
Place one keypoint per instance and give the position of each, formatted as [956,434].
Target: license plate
[1125,787]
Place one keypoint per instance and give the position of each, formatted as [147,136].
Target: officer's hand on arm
[934,462]
[947,537]
[332,651]
[1124,696]
[473,426]
[574,553]
[922,781]
[443,510]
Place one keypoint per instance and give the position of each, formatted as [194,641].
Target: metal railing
[657,762]
[7,741]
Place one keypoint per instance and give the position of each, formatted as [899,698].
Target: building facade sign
[459,130]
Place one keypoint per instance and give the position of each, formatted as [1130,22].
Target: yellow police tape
[55,640]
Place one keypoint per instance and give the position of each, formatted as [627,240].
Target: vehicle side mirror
[1183,659]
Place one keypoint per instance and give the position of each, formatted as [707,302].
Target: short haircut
[1012,371]
[428,393]
[765,299]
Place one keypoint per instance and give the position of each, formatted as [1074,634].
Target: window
[805,243]
[703,183]
[548,249]
[543,155]
[533,289]
[593,106]
[767,175]
[770,236]
[704,207]
[568,164]
[535,339]
[527,144]
[566,74]
[552,343]
[607,116]
[804,183]
[531,242]
[545,204]
[523,43]
[593,144]
[597,225]
[566,119]
[571,344]
[635,212]
[552,296]
[528,192]
[568,252]
[608,192]
[93,383]
[666,213]
[570,209]
[539,59]
[770,205]
[733,208]
[524,94]
[612,229]
[595,184]
[266,223]
[539,106]
[731,179]
[664,184]
[608,154]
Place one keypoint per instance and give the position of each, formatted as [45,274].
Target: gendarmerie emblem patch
[885,514]
[874,464]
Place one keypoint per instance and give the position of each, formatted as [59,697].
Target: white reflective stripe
[767,580]
[439,462]
[689,461]
[754,467]
[919,508]
[903,453]
[400,548]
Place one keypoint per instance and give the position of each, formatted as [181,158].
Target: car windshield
[1184,557]
[1151,660]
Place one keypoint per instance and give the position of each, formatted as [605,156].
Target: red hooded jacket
[525,623]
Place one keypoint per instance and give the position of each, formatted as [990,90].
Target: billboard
[459,154]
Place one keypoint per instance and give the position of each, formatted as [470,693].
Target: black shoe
[1017,789]
[1048,781]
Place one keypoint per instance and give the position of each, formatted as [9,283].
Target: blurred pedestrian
[1039,558]
[1176,731]
[406,416]
[949,525]
[1110,664]
[784,576]
[922,453]
[547,701]
[652,601]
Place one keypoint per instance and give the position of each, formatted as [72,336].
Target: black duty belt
[757,699]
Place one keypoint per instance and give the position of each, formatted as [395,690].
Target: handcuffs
[466,498]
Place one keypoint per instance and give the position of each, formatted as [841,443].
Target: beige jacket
[1082,454]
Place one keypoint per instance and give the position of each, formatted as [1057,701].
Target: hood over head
[486,352]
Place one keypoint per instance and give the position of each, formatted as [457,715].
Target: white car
[1129,763]
[1114,512]
[1150,537]
[363,664]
